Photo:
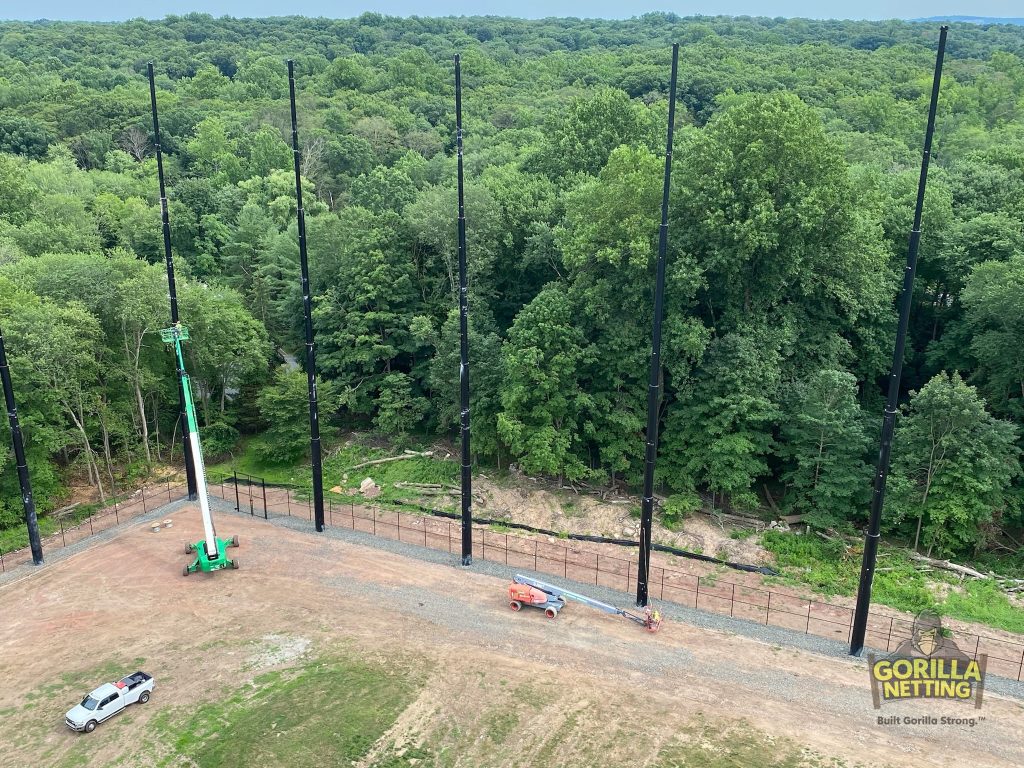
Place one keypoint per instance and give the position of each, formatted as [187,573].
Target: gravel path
[429,603]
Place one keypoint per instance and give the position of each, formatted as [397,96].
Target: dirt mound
[569,512]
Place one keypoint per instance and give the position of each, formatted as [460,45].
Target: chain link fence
[120,510]
[707,592]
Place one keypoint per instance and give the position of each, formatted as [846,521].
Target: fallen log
[426,486]
[946,565]
[406,455]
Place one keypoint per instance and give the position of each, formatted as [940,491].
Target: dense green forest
[796,162]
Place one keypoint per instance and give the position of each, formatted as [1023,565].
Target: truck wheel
[144,697]
[184,571]
[90,726]
[550,612]
[234,563]
[188,549]
[515,605]
[234,540]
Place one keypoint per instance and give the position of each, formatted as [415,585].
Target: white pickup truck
[109,699]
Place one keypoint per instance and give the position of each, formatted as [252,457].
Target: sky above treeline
[92,10]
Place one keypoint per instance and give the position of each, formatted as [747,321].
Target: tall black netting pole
[307,315]
[654,386]
[867,572]
[172,292]
[467,477]
[19,457]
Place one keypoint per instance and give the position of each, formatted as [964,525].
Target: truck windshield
[89,703]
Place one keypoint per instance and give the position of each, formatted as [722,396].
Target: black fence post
[3,568]
[768,610]
[234,475]
[263,484]
[91,531]
[62,539]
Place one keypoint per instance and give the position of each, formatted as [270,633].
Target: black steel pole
[654,386]
[172,291]
[19,457]
[467,477]
[867,572]
[307,311]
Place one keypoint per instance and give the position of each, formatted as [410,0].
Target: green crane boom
[211,552]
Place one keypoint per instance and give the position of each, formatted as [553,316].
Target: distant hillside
[976,20]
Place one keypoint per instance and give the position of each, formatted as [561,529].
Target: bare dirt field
[322,652]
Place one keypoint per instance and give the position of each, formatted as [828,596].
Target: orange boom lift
[551,598]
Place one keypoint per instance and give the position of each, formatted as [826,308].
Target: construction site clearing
[480,685]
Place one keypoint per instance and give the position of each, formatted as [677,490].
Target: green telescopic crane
[211,552]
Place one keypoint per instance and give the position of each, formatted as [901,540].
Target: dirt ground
[541,507]
[611,691]
[612,518]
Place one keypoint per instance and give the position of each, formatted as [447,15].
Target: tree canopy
[795,166]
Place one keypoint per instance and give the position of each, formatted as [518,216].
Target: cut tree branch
[406,455]
[945,565]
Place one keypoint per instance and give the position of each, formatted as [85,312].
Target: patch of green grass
[741,533]
[410,756]
[339,462]
[325,713]
[572,509]
[829,569]
[248,462]
[501,725]
[811,561]
[702,746]
[533,697]
[546,754]
[984,602]
[85,680]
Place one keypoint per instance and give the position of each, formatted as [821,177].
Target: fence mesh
[120,510]
[706,592]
